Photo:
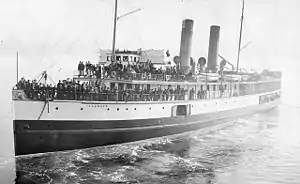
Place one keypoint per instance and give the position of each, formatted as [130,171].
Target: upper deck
[137,81]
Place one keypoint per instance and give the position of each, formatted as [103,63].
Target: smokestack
[185,45]
[213,48]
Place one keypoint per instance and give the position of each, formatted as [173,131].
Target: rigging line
[59,40]
[42,57]
[51,79]
[75,42]
[139,37]
[53,64]
[46,101]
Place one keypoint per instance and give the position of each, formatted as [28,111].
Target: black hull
[42,136]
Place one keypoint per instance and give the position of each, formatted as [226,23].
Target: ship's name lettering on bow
[96,105]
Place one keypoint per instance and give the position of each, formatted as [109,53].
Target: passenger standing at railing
[87,68]
[98,71]
[192,92]
[152,94]
[51,91]
[84,89]
[59,89]
[81,68]
[168,94]
[78,91]
[120,70]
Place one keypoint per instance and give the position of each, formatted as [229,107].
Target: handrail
[168,78]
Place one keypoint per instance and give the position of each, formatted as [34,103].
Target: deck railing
[143,77]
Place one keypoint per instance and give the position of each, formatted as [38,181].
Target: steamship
[211,94]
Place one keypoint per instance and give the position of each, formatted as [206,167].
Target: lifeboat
[210,77]
[232,77]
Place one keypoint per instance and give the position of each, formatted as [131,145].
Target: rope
[46,101]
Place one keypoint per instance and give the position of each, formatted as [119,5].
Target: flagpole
[17,67]
[114,33]
[241,30]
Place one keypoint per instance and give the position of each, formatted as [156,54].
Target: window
[125,58]
[137,86]
[129,86]
[201,87]
[108,58]
[214,87]
[118,58]
[207,87]
[134,59]
[181,110]
[120,86]
[234,86]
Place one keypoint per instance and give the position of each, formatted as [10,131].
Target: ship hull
[49,135]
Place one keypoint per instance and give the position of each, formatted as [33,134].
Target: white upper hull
[106,110]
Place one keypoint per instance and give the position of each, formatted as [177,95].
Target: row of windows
[269,97]
[259,87]
[208,87]
[125,58]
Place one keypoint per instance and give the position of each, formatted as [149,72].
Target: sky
[54,35]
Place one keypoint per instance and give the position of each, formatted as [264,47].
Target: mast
[240,39]
[17,67]
[114,33]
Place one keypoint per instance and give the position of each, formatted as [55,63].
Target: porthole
[163,107]
[150,108]
[134,108]
[126,109]
[117,109]
[56,108]
[81,108]
[108,109]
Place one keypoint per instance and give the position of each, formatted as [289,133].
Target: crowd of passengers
[75,90]
[122,71]
[72,90]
